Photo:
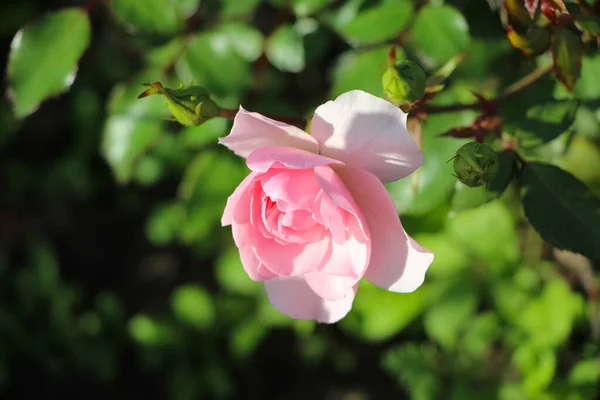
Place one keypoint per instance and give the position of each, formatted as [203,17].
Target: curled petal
[261,160]
[252,131]
[232,201]
[293,297]
[397,262]
[366,132]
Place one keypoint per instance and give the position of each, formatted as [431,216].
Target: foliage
[116,277]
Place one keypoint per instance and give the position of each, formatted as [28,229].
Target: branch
[511,90]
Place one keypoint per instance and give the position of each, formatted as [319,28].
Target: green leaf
[378,314]
[245,40]
[562,209]
[414,366]
[549,318]
[538,367]
[439,33]
[483,331]
[360,70]
[545,122]
[192,304]
[447,318]
[567,53]
[450,257]
[132,128]
[163,16]
[378,23]
[533,42]
[149,331]
[164,223]
[235,8]
[481,229]
[589,24]
[285,49]
[244,338]
[43,57]
[304,8]
[199,136]
[216,65]
[466,198]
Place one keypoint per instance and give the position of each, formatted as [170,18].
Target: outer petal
[398,263]
[261,160]
[366,132]
[293,297]
[252,131]
[232,201]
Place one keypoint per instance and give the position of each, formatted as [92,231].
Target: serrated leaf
[438,34]
[43,57]
[378,23]
[561,209]
[567,53]
[545,122]
[285,49]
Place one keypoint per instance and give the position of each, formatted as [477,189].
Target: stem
[511,90]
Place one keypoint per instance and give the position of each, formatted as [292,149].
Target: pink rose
[313,217]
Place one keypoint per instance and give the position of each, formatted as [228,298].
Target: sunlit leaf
[43,57]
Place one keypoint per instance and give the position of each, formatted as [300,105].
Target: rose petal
[297,188]
[366,132]
[233,200]
[336,190]
[265,158]
[397,262]
[330,287]
[253,266]
[252,131]
[293,297]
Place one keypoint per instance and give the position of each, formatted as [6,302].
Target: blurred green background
[117,280]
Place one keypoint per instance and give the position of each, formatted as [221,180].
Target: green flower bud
[476,164]
[190,105]
[404,82]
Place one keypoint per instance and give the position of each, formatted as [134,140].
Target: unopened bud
[404,82]
[190,105]
[476,164]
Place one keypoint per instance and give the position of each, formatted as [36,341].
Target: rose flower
[314,217]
